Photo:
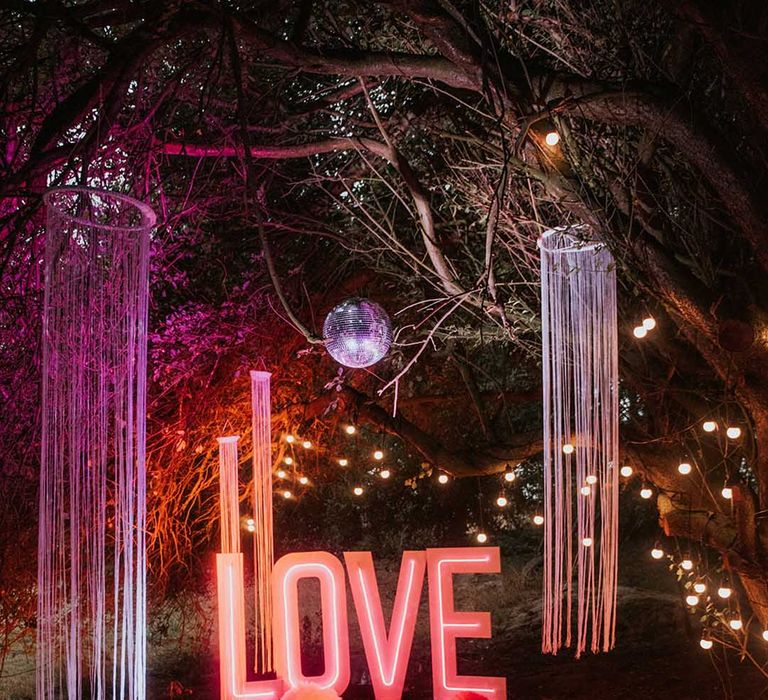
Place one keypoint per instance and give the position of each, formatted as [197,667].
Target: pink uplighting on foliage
[447,625]
[327,569]
[387,654]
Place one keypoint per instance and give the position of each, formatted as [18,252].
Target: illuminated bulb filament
[303,480]
[288,460]
[482,537]
[646,493]
[358,491]
[705,643]
[724,592]
[591,479]
[350,430]
[657,553]
[443,478]
[765,635]
[586,491]
[568,448]
[735,624]
[692,600]
[250,521]
[687,564]
[733,433]
[727,492]
[287,494]
[343,461]
[699,587]
[552,138]
[538,519]
[509,476]
[649,323]
[640,332]
[626,471]
[709,426]
[378,455]
[385,473]
[501,501]
[306,444]
[290,439]
[587,541]
[684,468]
[281,473]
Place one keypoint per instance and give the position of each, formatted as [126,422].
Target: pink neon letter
[387,655]
[229,582]
[446,625]
[285,578]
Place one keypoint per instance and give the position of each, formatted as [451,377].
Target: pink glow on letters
[285,578]
[447,625]
[234,686]
[387,654]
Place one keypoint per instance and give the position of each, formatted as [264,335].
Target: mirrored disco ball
[357,332]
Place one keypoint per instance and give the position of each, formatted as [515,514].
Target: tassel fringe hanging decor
[229,494]
[262,514]
[91,613]
[580,383]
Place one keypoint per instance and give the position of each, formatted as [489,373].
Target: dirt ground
[656,654]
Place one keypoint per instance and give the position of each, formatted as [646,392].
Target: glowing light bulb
[733,433]
[692,600]
[443,478]
[288,460]
[509,476]
[649,323]
[735,624]
[290,439]
[281,474]
[657,553]
[699,587]
[378,455]
[482,538]
[684,468]
[646,493]
[350,430]
[251,528]
[343,462]
[250,521]
[552,139]
[591,479]
[724,592]
[501,501]
[568,449]
[303,480]
[306,444]
[640,332]
[765,635]
[709,426]
[626,471]
[587,541]
[727,492]
[358,490]
[687,564]
[385,473]
[586,491]
[287,494]
[538,519]
[705,643]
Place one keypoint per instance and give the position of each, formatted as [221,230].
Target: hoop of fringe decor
[580,386]
[92,569]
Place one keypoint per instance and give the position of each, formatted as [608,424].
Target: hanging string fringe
[580,378]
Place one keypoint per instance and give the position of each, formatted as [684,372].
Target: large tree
[302,151]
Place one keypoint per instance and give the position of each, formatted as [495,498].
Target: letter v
[387,655]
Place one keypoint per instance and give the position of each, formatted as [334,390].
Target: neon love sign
[387,650]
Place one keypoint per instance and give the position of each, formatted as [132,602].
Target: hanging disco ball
[357,332]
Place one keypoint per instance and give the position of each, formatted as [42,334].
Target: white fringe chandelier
[91,629]
[580,386]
